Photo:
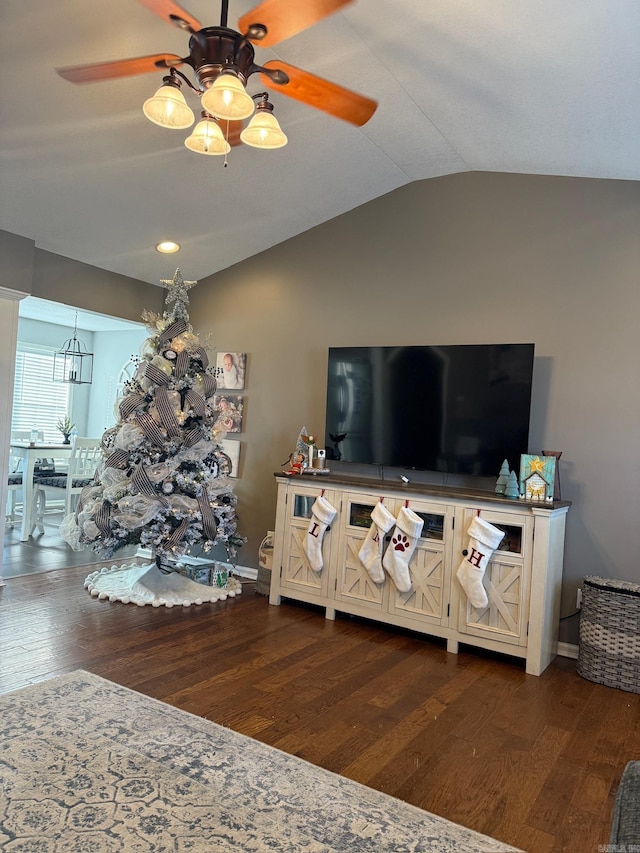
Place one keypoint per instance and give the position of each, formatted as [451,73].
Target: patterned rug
[87,766]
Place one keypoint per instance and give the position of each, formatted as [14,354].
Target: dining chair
[85,457]
[14,485]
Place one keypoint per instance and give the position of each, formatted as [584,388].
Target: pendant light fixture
[73,363]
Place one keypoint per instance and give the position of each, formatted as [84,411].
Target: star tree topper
[177,288]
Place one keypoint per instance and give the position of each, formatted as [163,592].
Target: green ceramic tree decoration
[501,482]
[512,489]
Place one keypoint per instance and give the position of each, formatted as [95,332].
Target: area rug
[87,765]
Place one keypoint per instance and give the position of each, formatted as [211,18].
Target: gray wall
[468,258]
[35,272]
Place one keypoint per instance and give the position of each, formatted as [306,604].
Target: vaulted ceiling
[533,86]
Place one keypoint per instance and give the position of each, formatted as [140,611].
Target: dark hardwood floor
[531,761]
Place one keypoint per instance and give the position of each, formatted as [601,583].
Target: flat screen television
[457,409]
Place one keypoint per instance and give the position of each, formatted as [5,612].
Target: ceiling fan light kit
[222,60]
[227,98]
[168,107]
[264,131]
[207,137]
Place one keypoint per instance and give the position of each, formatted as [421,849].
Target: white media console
[522,581]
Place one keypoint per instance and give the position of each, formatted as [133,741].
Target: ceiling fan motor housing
[212,49]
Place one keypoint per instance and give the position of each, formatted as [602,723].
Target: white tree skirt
[148,585]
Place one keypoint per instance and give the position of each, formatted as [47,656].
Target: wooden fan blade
[284,19]
[173,14]
[232,132]
[118,68]
[321,94]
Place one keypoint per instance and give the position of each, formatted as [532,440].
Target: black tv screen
[458,409]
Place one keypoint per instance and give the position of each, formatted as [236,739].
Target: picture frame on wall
[230,409]
[230,370]
[232,449]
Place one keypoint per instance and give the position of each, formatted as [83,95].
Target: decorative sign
[537,477]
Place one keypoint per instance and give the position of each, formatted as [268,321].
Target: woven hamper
[609,648]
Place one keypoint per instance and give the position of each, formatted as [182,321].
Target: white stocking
[400,549]
[370,554]
[322,514]
[484,538]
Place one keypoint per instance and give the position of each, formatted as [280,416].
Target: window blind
[38,401]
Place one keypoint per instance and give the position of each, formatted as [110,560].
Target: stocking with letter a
[370,553]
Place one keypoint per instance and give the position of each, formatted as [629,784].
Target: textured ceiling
[534,86]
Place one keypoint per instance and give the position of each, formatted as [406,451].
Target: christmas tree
[164,482]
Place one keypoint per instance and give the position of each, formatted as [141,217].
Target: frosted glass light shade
[263,131]
[227,99]
[207,138]
[168,108]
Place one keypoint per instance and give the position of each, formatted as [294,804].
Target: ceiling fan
[217,54]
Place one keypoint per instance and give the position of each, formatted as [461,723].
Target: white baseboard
[568,650]
[245,572]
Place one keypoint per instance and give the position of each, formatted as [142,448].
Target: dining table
[30,452]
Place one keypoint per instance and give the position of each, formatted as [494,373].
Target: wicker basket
[609,650]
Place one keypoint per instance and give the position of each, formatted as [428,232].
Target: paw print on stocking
[400,542]
[400,549]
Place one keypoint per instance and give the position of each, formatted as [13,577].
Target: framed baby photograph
[230,370]
[232,449]
[230,408]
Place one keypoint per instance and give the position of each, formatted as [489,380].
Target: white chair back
[14,493]
[86,456]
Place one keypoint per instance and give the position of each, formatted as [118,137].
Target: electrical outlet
[579,598]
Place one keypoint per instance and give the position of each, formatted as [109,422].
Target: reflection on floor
[43,552]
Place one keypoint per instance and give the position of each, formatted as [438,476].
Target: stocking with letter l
[484,538]
[322,514]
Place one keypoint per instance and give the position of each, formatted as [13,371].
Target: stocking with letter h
[484,538]
[322,514]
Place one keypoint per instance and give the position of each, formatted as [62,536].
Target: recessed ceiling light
[168,247]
